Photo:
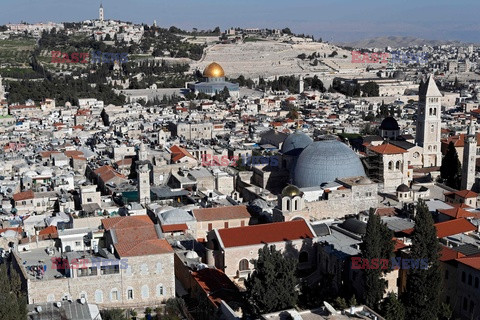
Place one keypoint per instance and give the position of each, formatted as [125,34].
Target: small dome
[214,70]
[389,123]
[176,215]
[403,188]
[191,255]
[291,191]
[295,143]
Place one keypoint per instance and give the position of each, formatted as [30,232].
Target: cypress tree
[392,308]
[271,286]
[377,244]
[451,169]
[423,286]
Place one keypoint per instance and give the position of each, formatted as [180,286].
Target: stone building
[135,268]
[232,250]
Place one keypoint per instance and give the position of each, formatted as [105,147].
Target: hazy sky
[333,20]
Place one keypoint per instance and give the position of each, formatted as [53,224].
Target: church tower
[2,90]
[469,158]
[301,85]
[143,175]
[429,123]
[100,13]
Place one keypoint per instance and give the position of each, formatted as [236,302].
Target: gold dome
[214,70]
[291,191]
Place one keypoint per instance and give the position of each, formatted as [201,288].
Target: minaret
[2,90]
[143,175]
[429,122]
[469,158]
[100,13]
[301,85]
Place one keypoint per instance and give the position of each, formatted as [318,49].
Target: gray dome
[325,161]
[175,216]
[295,143]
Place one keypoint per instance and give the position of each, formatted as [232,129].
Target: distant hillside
[397,42]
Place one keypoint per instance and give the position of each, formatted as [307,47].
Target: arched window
[114,294]
[434,111]
[397,166]
[160,290]
[144,269]
[145,293]
[159,268]
[430,112]
[99,296]
[295,204]
[243,265]
[288,204]
[129,293]
[303,257]
[390,165]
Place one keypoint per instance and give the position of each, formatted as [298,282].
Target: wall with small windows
[141,281]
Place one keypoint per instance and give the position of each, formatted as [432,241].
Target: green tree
[113,314]
[292,113]
[13,303]
[392,308]
[423,288]
[451,169]
[377,244]
[271,286]
[371,89]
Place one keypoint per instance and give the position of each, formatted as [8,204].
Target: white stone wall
[144,281]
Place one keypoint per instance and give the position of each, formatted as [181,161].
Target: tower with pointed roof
[429,122]
[143,175]
[469,158]
[100,13]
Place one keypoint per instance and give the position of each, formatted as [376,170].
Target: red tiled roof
[265,233]
[23,195]
[458,140]
[399,244]
[473,262]
[124,162]
[126,222]
[450,228]
[143,248]
[466,194]
[136,236]
[72,153]
[17,229]
[174,227]
[179,152]
[387,148]
[221,213]
[216,285]
[48,230]
[459,213]
[448,254]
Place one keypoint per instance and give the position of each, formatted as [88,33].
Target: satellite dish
[330,308]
